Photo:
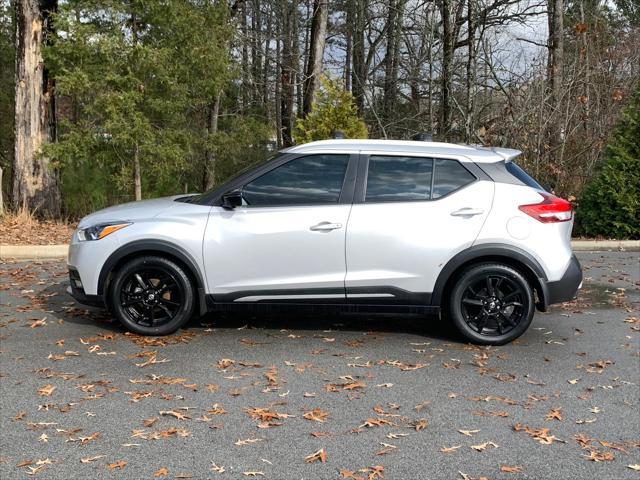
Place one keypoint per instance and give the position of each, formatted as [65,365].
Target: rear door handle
[467,212]
[325,227]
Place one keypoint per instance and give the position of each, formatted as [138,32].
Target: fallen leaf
[596,456]
[119,465]
[507,469]
[468,433]
[46,391]
[92,459]
[161,472]
[320,455]
[176,414]
[316,415]
[450,449]
[483,446]
[248,441]
[554,414]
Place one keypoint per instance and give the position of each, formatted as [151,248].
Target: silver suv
[356,225]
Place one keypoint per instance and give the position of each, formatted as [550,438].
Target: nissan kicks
[350,225]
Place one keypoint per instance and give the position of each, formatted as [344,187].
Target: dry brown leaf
[161,472]
[353,385]
[176,414]
[596,456]
[635,467]
[468,433]
[248,441]
[216,409]
[483,446]
[253,474]
[316,415]
[225,363]
[507,469]
[420,424]
[46,391]
[539,434]
[554,414]
[118,465]
[92,459]
[149,422]
[375,422]
[320,455]
[450,449]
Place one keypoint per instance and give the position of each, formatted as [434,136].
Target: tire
[151,295]
[491,304]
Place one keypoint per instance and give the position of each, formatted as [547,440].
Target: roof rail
[422,137]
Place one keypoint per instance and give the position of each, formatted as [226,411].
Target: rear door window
[399,179]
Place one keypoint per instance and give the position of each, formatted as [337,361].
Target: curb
[605,245]
[50,252]
[33,252]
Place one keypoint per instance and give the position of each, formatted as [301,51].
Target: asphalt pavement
[319,397]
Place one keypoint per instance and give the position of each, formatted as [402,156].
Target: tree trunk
[246,82]
[287,75]
[1,195]
[348,47]
[137,177]
[447,61]
[556,51]
[316,53]
[359,74]
[212,129]
[36,186]
[394,22]
[471,71]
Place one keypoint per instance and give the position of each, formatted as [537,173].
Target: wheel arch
[512,256]
[154,247]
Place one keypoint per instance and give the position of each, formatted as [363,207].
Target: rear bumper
[567,287]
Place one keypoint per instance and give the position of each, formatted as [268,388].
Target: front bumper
[76,290]
[567,287]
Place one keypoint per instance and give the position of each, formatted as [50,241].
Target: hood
[130,211]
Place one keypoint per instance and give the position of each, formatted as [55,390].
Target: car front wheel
[491,304]
[151,296]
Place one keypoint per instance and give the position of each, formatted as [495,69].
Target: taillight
[552,209]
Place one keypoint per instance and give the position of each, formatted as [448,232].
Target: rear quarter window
[449,176]
[523,176]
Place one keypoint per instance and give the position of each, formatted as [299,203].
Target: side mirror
[232,199]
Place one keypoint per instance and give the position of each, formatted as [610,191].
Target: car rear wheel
[491,304]
[151,296]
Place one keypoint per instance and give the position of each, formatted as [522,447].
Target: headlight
[96,232]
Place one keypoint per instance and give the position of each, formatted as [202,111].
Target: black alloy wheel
[491,304]
[152,296]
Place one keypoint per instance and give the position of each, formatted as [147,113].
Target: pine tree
[334,109]
[610,204]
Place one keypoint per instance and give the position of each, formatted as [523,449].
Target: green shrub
[610,203]
[332,110]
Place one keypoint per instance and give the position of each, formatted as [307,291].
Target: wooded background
[107,101]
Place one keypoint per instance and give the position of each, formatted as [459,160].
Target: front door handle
[325,227]
[467,212]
